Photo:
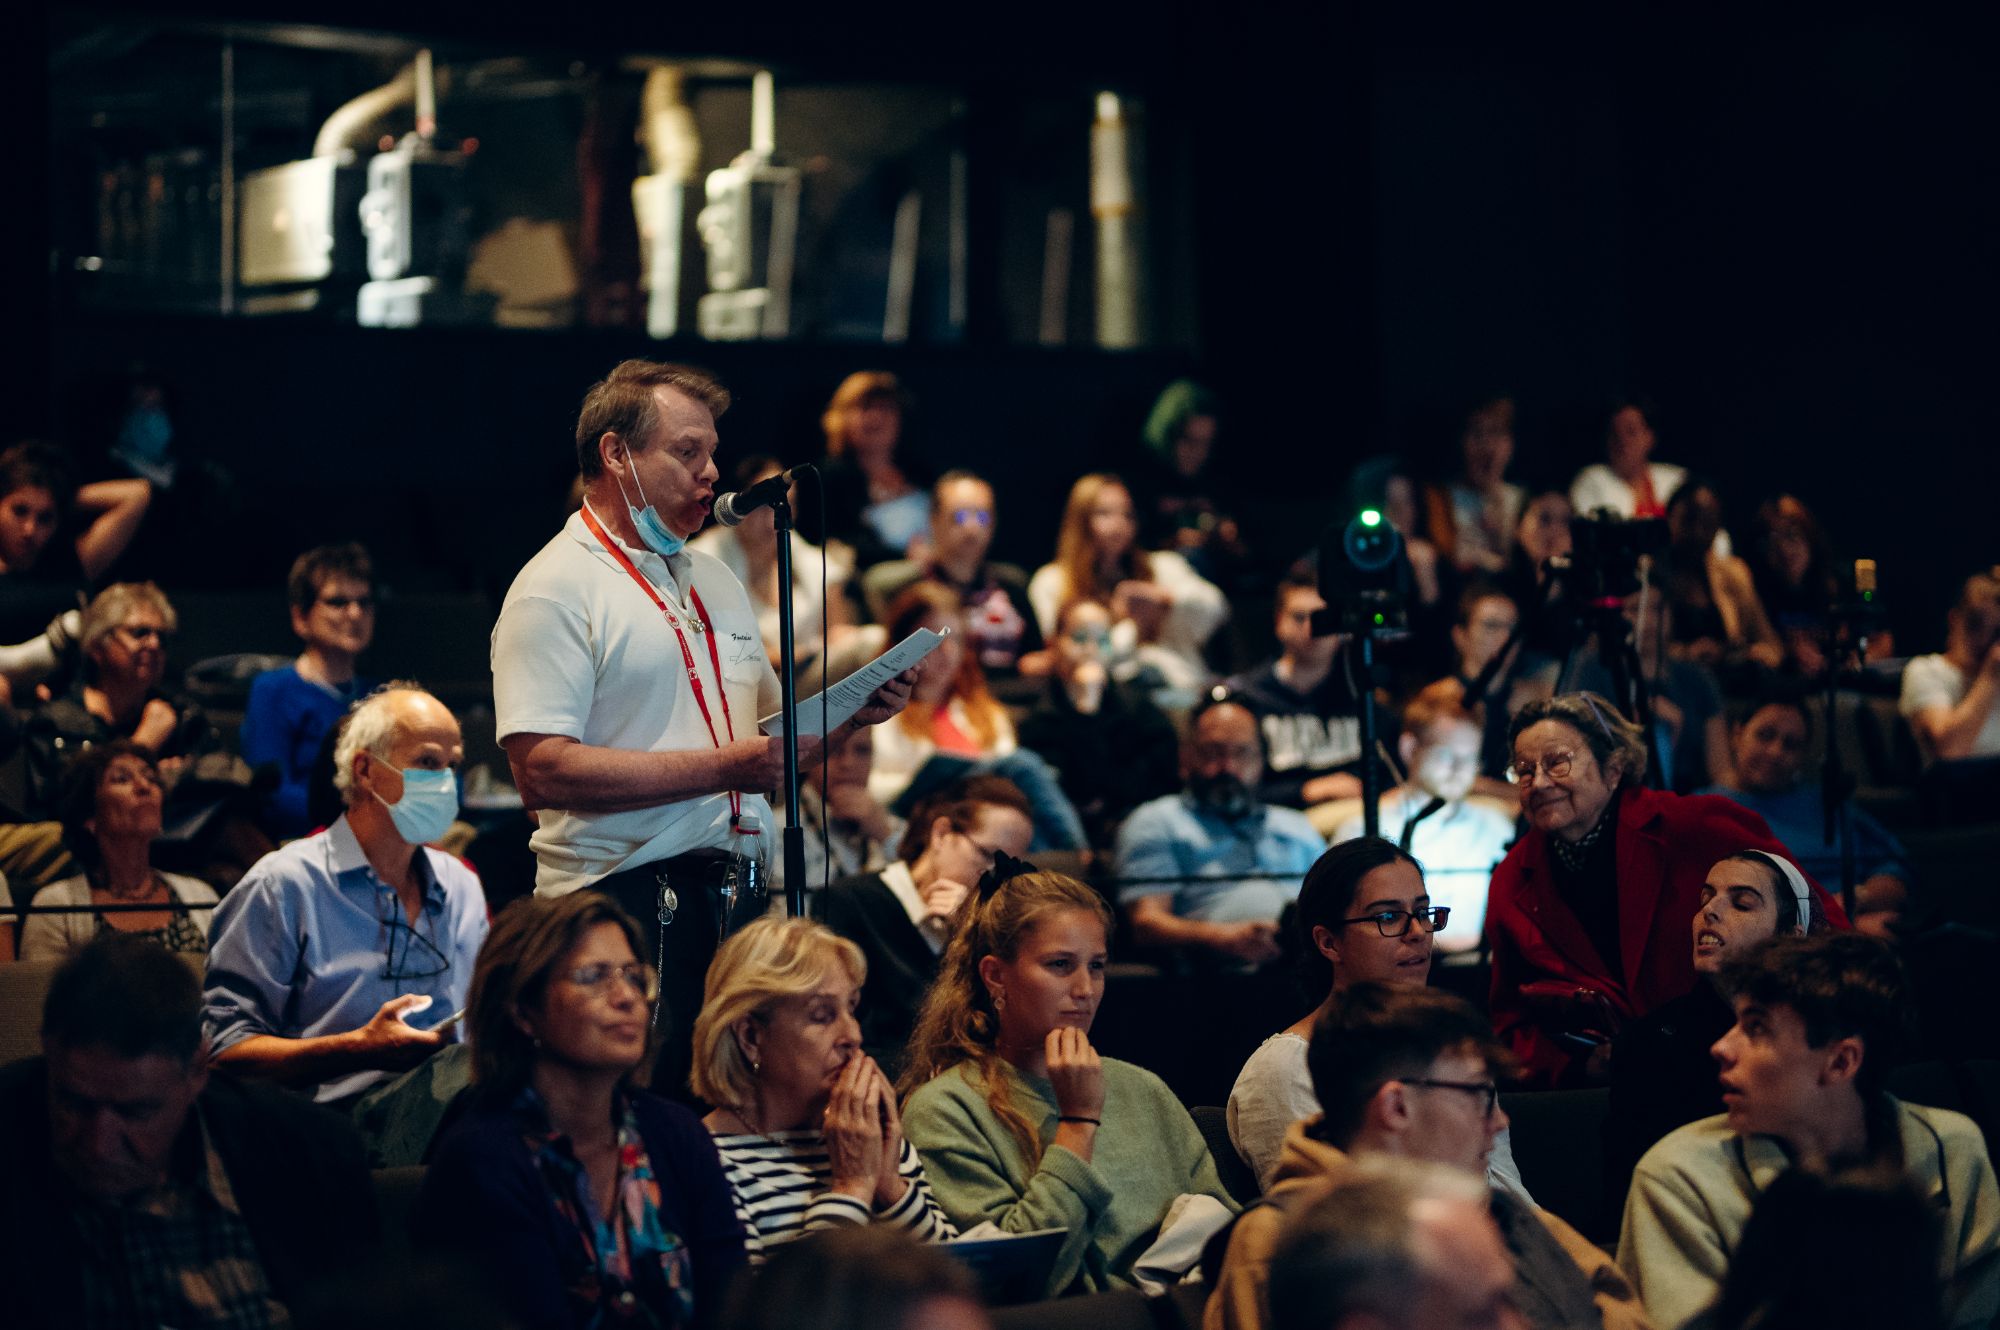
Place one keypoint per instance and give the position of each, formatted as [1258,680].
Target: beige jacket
[1306,1168]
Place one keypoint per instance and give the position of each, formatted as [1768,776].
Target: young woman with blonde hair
[1019,1121]
[1163,611]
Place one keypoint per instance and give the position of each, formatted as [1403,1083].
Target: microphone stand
[1836,787]
[1371,776]
[793,837]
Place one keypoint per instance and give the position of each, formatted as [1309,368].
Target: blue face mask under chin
[652,531]
[428,805]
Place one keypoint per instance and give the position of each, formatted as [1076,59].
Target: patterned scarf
[637,1268]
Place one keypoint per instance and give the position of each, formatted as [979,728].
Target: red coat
[1666,843]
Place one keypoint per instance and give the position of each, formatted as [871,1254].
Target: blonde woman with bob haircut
[585,1199]
[1163,612]
[806,1123]
[1018,1119]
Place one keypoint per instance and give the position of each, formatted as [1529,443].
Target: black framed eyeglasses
[341,604]
[411,954]
[1485,1090]
[1395,923]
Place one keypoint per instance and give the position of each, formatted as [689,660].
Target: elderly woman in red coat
[1588,914]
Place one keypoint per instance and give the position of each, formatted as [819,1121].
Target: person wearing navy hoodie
[588,1201]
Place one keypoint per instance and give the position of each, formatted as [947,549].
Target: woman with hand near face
[805,1121]
[587,1201]
[1019,1120]
[1364,915]
[111,817]
[1663,1075]
[1586,914]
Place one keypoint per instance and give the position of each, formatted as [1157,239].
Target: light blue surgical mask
[651,529]
[428,805]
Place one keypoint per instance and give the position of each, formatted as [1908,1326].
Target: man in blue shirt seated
[1211,868]
[1769,752]
[327,948]
[292,710]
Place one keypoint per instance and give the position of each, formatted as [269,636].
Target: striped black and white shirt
[781,1184]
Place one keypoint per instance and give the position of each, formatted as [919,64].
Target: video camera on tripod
[1364,577]
[1606,556]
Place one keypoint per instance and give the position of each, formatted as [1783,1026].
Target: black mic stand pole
[1371,777]
[1835,786]
[793,835]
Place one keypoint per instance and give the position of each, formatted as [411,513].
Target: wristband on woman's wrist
[1078,1117]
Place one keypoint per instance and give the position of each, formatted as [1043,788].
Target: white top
[1274,1090]
[808,609]
[581,651]
[1933,681]
[1198,608]
[903,886]
[1598,486]
[53,937]
[1456,847]
[901,753]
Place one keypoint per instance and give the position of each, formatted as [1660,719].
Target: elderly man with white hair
[343,957]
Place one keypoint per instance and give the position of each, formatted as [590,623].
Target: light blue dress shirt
[1249,868]
[312,942]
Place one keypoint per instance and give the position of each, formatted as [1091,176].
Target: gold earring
[1000,1001]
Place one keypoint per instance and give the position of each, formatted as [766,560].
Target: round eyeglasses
[1555,766]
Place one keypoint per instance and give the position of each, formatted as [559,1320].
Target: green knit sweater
[1148,1152]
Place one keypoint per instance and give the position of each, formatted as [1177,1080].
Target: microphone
[732,508]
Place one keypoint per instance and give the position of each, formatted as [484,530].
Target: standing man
[628,678]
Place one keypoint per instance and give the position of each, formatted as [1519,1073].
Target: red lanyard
[687,655]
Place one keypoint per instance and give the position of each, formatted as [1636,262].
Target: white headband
[1796,880]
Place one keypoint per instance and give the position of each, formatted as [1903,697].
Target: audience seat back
[1558,1138]
[1229,1166]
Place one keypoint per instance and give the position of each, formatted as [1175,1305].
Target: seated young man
[1802,1070]
[1309,714]
[1768,752]
[1413,1073]
[292,710]
[144,1189]
[1457,842]
[1210,869]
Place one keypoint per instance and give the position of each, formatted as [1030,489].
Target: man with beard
[1212,867]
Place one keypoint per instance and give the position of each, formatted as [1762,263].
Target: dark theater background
[1777,228]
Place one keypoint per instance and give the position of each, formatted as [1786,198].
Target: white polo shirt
[581,650]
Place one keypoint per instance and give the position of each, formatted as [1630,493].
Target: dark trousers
[681,949]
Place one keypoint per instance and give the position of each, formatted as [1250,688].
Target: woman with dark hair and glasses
[1587,915]
[110,819]
[1364,915]
[587,1201]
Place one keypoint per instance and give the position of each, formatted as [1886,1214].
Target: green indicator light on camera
[1370,517]
[1381,619]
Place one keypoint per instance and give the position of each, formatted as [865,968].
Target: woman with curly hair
[1019,1121]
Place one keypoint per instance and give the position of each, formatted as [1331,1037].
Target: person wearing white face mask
[324,958]
[629,675]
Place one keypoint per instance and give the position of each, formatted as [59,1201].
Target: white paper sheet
[852,693]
